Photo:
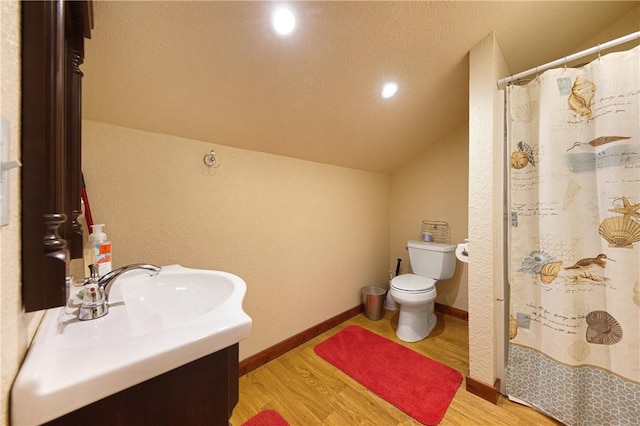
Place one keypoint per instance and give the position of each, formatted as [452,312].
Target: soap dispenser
[97,251]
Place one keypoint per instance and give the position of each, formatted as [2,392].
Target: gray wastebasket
[373,299]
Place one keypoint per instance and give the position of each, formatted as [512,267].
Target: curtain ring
[598,51]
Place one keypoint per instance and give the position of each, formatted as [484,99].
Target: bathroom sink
[155,324]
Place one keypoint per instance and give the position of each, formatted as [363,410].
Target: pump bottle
[98,251]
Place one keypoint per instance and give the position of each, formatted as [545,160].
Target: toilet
[416,292]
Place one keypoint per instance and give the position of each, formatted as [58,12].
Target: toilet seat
[414,284]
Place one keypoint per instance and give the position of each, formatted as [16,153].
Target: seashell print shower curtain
[574,250]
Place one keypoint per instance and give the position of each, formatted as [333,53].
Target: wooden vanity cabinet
[203,392]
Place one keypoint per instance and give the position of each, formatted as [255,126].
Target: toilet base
[416,322]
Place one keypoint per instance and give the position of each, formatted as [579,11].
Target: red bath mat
[266,418]
[419,386]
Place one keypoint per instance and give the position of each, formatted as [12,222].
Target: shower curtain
[574,249]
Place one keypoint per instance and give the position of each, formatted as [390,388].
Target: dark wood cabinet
[53,34]
[203,392]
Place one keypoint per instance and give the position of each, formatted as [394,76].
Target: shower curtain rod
[563,61]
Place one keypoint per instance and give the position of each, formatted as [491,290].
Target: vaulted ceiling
[216,72]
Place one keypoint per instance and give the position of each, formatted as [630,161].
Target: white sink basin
[154,324]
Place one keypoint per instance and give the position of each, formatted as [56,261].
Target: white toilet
[416,293]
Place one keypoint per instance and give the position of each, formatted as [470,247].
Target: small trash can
[373,299]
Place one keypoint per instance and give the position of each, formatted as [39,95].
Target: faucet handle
[94,299]
[93,295]
[94,269]
[94,275]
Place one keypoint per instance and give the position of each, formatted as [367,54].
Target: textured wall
[485,206]
[16,327]
[434,185]
[627,24]
[304,236]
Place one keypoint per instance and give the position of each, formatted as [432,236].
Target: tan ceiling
[215,72]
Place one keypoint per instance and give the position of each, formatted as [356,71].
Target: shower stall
[569,311]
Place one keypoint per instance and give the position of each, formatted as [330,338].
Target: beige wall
[433,186]
[304,236]
[627,24]
[486,267]
[16,327]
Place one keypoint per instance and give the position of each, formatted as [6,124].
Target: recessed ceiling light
[283,20]
[389,89]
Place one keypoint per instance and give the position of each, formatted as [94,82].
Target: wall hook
[210,160]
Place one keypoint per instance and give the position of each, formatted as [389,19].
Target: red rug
[266,418]
[417,385]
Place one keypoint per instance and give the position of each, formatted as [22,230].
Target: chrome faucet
[95,299]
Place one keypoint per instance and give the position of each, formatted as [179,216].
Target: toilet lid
[412,283]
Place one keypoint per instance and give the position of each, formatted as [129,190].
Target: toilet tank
[433,260]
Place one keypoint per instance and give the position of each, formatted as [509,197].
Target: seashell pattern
[572,190]
[582,93]
[549,271]
[603,329]
[534,261]
[513,327]
[528,151]
[519,160]
[579,350]
[620,233]
[527,112]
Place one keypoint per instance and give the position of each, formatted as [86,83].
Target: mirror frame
[52,45]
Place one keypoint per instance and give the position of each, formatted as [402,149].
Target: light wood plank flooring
[306,390]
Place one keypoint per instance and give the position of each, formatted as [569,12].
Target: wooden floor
[306,390]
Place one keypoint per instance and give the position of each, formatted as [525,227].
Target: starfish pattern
[628,210]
